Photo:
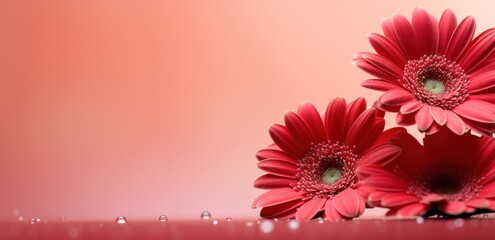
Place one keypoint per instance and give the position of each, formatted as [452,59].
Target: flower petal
[438,115]
[423,118]
[387,48]
[381,155]
[411,107]
[276,196]
[362,125]
[426,29]
[286,141]
[299,130]
[309,209]
[335,117]
[377,84]
[373,70]
[446,28]
[331,213]
[397,97]
[348,203]
[453,207]
[383,64]
[310,115]
[275,154]
[270,181]
[406,36]
[415,209]
[461,38]
[482,81]
[354,109]
[388,182]
[481,48]
[399,199]
[275,210]
[471,110]
[455,123]
[279,168]
[478,203]
[432,198]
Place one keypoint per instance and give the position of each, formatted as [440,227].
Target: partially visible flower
[450,176]
[312,164]
[433,72]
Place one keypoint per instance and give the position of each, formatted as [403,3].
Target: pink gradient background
[142,108]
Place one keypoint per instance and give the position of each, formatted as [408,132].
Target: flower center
[331,175]
[434,86]
[436,81]
[453,181]
[327,169]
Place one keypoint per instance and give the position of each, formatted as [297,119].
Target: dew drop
[420,220]
[228,219]
[162,218]
[267,226]
[121,220]
[294,224]
[249,224]
[205,215]
[485,215]
[320,220]
[32,221]
[215,222]
[20,219]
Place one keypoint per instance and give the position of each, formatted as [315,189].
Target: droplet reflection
[205,215]
[121,220]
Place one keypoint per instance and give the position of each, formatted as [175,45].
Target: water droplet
[215,222]
[485,215]
[32,221]
[320,220]
[205,215]
[275,219]
[294,224]
[162,218]
[420,220]
[121,220]
[267,226]
[228,219]
[249,224]
[20,219]
[458,222]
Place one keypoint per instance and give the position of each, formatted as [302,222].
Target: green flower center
[434,86]
[331,175]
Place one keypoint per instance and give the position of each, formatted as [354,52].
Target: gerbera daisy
[450,175]
[312,164]
[433,72]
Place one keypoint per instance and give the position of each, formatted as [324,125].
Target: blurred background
[142,108]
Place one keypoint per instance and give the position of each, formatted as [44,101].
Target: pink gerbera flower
[312,164]
[450,175]
[433,72]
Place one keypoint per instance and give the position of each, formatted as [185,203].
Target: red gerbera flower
[450,175]
[312,164]
[433,72]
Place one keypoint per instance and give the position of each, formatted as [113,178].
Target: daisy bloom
[451,175]
[311,167]
[433,73]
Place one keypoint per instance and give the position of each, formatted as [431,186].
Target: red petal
[482,81]
[438,115]
[276,196]
[279,168]
[488,191]
[335,117]
[426,29]
[373,70]
[270,181]
[455,123]
[423,118]
[348,203]
[299,130]
[471,109]
[388,49]
[354,109]
[446,28]
[312,118]
[330,212]
[275,154]
[432,197]
[415,209]
[377,84]
[285,141]
[364,172]
[406,36]
[383,64]
[362,125]
[481,48]
[453,207]
[309,209]
[411,107]
[381,155]
[478,203]
[461,38]
[272,211]
[397,97]
[398,199]
[390,183]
